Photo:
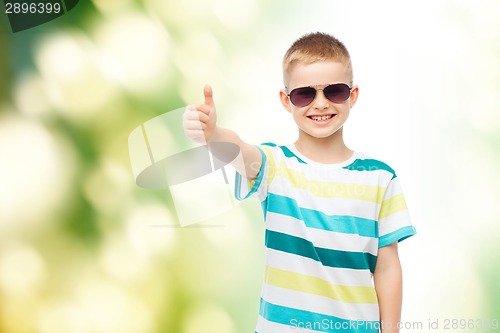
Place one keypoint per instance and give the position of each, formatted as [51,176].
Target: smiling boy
[333,216]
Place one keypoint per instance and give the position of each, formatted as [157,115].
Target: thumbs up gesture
[199,120]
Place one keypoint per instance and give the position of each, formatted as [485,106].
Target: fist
[199,120]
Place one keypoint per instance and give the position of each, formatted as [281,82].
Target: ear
[285,100]
[354,96]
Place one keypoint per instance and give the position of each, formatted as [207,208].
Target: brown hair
[315,47]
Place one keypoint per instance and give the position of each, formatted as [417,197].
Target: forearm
[249,163]
[388,285]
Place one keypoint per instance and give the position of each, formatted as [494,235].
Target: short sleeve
[257,187]
[394,220]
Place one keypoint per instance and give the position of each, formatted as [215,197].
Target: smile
[321,117]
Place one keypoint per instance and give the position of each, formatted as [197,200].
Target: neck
[331,149]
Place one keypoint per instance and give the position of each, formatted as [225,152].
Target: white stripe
[319,304]
[321,238]
[393,188]
[298,264]
[245,188]
[394,222]
[339,187]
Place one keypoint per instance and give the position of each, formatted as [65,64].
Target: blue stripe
[369,165]
[288,153]
[328,257]
[258,180]
[263,205]
[396,236]
[295,319]
[315,219]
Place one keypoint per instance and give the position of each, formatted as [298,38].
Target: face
[321,118]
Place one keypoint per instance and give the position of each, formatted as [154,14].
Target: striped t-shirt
[324,225]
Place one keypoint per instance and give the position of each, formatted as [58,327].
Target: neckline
[347,162]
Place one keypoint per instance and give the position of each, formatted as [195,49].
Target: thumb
[207,91]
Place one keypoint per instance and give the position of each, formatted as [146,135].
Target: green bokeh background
[80,246]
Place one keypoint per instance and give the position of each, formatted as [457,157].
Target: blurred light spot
[483,18]
[235,13]
[473,154]
[121,261]
[191,90]
[247,69]
[454,259]
[62,56]
[197,51]
[481,109]
[208,318]
[61,317]
[234,233]
[178,13]
[22,269]
[108,309]
[149,230]
[15,316]
[109,6]
[134,52]
[31,95]
[69,64]
[35,173]
[108,186]
[245,73]
[198,57]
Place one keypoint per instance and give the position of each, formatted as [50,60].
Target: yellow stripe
[271,162]
[316,286]
[392,205]
[298,180]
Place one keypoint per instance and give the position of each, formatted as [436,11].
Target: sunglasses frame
[322,89]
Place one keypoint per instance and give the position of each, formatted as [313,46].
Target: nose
[320,101]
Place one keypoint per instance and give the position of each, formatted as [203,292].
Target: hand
[199,120]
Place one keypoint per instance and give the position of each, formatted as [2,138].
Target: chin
[322,135]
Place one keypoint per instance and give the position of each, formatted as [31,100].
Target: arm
[200,125]
[388,285]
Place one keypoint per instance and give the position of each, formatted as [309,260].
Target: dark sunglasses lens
[302,96]
[337,93]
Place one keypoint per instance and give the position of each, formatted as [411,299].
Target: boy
[333,216]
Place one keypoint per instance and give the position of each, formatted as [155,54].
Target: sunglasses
[336,93]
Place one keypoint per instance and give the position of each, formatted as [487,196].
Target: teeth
[321,118]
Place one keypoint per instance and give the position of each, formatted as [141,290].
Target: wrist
[214,134]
